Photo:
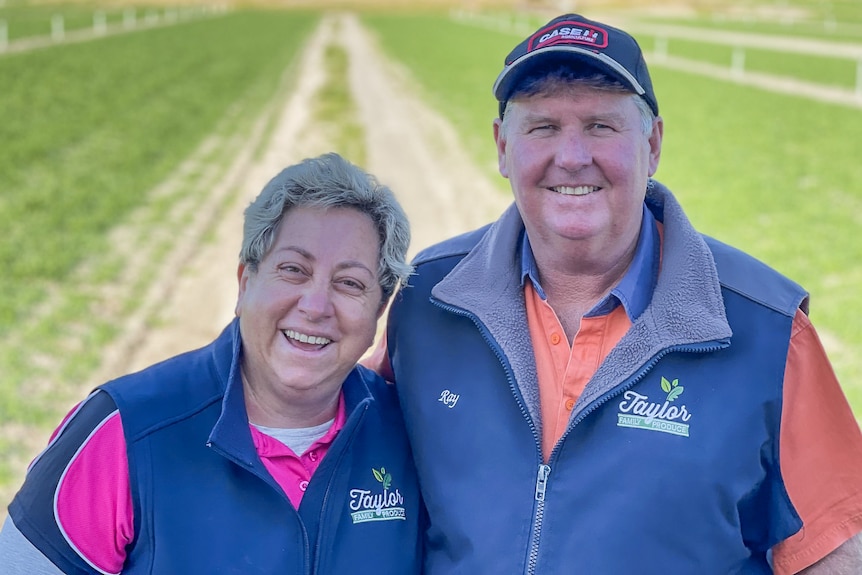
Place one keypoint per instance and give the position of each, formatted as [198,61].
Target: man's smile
[575,191]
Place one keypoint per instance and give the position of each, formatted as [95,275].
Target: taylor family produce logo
[367,505]
[637,411]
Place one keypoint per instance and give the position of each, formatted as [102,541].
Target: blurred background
[119,122]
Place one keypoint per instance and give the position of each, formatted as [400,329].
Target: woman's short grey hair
[557,79]
[330,181]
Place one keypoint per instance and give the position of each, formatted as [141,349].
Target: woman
[269,450]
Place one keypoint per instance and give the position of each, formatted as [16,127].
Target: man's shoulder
[454,247]
[750,277]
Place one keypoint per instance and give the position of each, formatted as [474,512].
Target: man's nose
[573,151]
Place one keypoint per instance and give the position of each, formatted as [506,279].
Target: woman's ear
[242,279]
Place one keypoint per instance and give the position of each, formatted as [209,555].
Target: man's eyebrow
[538,117]
[610,116]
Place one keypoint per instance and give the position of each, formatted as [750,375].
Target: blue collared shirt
[633,291]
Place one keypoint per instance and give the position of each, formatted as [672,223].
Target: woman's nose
[316,301]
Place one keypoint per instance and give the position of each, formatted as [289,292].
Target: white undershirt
[298,440]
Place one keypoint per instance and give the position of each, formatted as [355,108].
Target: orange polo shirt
[564,370]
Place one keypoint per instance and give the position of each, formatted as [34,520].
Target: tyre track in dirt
[414,149]
[410,148]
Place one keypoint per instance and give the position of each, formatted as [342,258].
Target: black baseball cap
[571,38]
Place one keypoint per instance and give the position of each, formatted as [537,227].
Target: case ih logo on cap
[569,33]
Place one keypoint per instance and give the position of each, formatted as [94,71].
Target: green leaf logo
[672,388]
[382,477]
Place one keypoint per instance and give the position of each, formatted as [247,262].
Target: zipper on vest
[543,470]
[346,435]
[538,518]
[542,482]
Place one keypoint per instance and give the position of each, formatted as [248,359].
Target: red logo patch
[569,33]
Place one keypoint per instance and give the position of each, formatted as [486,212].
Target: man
[589,384]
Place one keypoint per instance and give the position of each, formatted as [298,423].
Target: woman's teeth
[312,339]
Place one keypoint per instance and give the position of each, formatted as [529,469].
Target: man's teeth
[576,191]
[312,339]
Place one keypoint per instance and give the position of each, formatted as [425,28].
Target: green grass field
[839,20]
[824,70]
[88,127]
[775,175]
[88,131]
[27,20]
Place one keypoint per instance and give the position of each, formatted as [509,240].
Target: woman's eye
[290,269]
[352,285]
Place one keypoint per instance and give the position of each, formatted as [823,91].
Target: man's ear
[500,140]
[655,139]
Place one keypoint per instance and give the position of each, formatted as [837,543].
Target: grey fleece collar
[686,307]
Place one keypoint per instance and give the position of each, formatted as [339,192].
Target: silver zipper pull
[542,481]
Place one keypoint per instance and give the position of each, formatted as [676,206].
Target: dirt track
[431,175]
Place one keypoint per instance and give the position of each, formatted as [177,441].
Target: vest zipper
[544,470]
[249,467]
[359,414]
[541,486]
